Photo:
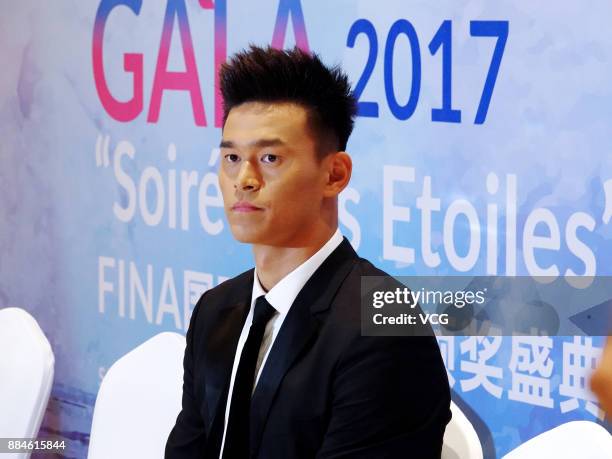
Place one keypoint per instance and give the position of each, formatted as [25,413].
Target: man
[275,364]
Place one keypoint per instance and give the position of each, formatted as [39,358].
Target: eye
[231,157]
[269,158]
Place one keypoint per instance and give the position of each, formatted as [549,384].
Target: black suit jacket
[325,391]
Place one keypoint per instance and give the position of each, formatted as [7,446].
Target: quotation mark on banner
[102,156]
[607,201]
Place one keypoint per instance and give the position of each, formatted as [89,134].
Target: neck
[274,262]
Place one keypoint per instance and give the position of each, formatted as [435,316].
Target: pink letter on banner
[182,81]
[132,62]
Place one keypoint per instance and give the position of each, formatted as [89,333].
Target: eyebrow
[260,143]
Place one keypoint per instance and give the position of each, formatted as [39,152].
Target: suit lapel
[298,331]
[221,347]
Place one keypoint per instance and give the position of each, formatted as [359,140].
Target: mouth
[243,206]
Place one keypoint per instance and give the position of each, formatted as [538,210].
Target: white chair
[460,439]
[139,400]
[575,439]
[26,375]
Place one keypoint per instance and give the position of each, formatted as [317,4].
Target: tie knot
[263,311]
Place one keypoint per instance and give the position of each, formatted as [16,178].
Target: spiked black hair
[271,75]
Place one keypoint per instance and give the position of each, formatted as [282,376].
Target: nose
[248,178]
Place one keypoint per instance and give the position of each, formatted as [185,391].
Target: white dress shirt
[281,297]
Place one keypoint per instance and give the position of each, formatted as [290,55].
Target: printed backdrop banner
[481,147]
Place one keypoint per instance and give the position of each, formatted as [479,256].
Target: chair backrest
[139,400]
[460,439]
[26,374]
[583,439]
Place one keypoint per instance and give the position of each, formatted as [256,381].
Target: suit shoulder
[229,287]
[346,312]
[366,268]
[230,290]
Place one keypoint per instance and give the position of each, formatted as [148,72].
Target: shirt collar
[282,295]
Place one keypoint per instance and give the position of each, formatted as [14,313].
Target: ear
[338,167]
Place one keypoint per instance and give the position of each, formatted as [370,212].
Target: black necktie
[237,435]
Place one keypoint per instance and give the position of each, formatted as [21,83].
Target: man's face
[271,181]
